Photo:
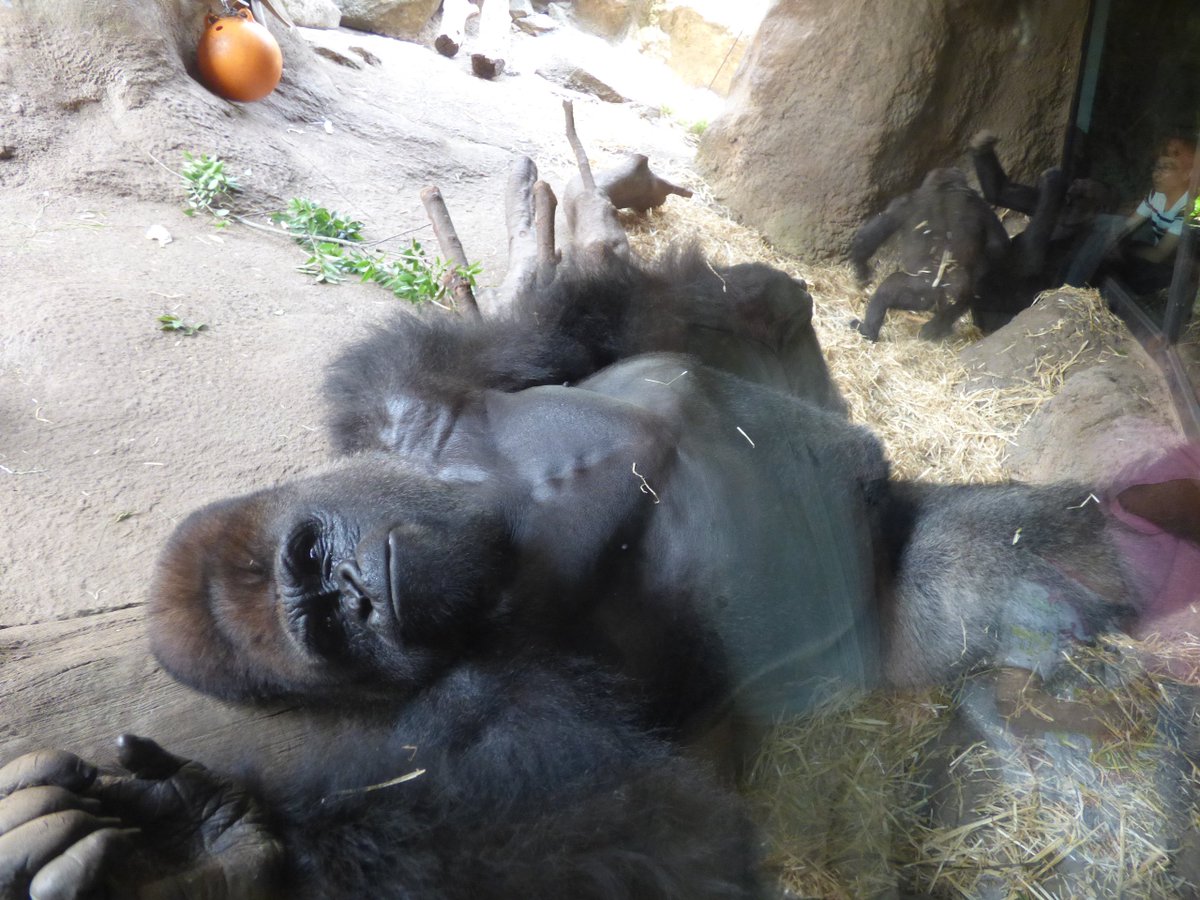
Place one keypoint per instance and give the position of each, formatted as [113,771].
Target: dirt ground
[110,429]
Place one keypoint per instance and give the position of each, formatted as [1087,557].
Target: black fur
[749,320]
[949,239]
[968,562]
[536,782]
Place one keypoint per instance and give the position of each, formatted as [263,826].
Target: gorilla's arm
[412,378]
[875,231]
[514,779]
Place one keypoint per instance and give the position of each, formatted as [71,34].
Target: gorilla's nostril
[356,606]
[349,579]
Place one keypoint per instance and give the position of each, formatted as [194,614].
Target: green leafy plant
[172,322]
[330,238]
[335,243]
[305,219]
[209,187]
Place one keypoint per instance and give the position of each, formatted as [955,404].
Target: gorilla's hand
[54,840]
[189,834]
[863,270]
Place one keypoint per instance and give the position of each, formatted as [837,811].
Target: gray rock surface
[393,18]
[314,13]
[831,115]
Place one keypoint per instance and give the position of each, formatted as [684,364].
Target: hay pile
[934,792]
[907,390]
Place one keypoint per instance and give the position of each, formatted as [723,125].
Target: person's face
[1177,149]
[1171,174]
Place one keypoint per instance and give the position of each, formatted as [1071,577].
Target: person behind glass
[1139,247]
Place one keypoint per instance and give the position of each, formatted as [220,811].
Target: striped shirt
[1163,220]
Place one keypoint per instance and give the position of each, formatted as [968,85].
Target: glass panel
[1140,87]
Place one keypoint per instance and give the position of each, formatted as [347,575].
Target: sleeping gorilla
[549,589]
[539,582]
[487,505]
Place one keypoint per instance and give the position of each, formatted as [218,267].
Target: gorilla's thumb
[145,758]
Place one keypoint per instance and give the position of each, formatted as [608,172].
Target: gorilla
[949,240]
[955,254]
[571,557]
[644,468]
[523,567]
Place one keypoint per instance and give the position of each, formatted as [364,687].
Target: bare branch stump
[454,19]
[592,222]
[494,26]
[544,205]
[522,237]
[452,249]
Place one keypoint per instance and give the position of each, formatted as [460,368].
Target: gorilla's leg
[899,290]
[993,180]
[993,573]
[1027,257]
[946,315]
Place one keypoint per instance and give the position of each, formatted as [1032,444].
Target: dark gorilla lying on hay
[955,255]
[627,517]
[545,581]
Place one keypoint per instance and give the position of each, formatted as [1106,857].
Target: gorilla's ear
[586,464]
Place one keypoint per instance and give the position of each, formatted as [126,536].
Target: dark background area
[1145,88]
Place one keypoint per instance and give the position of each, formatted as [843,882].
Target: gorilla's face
[368,572]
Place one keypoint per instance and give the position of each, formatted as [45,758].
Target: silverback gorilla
[627,517]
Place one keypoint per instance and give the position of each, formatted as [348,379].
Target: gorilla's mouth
[319,624]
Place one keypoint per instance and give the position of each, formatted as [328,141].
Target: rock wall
[394,18]
[840,105]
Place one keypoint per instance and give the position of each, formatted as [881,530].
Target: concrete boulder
[314,13]
[833,111]
[393,18]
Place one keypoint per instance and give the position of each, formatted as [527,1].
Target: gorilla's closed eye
[308,557]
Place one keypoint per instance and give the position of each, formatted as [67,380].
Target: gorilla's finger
[27,848]
[46,767]
[78,870]
[33,803]
[145,758]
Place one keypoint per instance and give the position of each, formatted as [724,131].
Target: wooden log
[544,205]
[77,684]
[521,277]
[454,22]
[495,24]
[452,249]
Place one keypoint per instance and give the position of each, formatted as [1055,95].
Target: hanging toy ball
[238,58]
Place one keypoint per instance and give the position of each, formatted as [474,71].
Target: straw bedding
[963,791]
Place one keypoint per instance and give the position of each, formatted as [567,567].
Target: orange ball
[238,58]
